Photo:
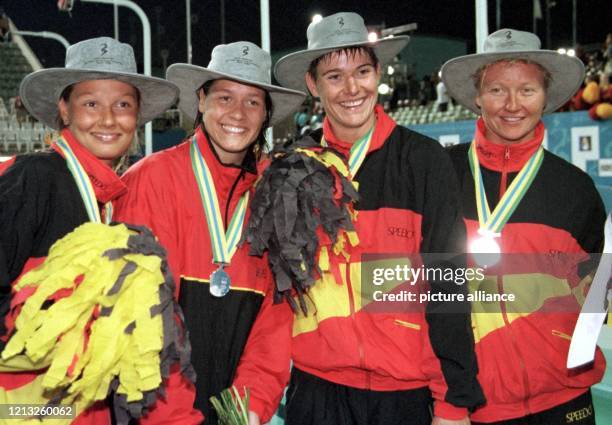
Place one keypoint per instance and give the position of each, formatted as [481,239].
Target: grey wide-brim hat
[567,72]
[334,32]
[101,58]
[243,62]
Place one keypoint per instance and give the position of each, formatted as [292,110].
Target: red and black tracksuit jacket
[522,355]
[409,203]
[236,339]
[39,204]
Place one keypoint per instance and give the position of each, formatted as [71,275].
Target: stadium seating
[13,67]
[410,115]
[16,135]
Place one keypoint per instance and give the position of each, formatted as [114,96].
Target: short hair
[350,52]
[478,76]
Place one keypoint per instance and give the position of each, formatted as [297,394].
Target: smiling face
[347,84]
[511,97]
[233,115]
[102,115]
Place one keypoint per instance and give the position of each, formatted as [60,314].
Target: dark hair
[65,96]
[261,137]
[350,52]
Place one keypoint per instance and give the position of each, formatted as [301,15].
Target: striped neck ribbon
[224,244]
[493,222]
[358,151]
[84,184]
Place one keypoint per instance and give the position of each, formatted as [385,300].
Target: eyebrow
[88,93]
[230,91]
[340,70]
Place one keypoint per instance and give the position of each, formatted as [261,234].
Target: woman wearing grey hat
[96,103]
[353,366]
[195,197]
[520,198]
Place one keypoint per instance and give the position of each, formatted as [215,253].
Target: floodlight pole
[44,34]
[188,25]
[574,23]
[264,16]
[116,20]
[498,14]
[264,13]
[146,39]
[482,24]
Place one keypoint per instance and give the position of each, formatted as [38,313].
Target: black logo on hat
[508,35]
[245,51]
[103,49]
[341,22]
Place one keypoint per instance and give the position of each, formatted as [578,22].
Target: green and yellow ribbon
[224,244]
[493,222]
[358,151]
[84,184]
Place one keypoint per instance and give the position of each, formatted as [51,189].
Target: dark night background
[288,20]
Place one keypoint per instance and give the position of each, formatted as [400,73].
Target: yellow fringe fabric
[104,329]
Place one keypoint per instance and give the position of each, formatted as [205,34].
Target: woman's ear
[312,85]
[201,100]
[63,112]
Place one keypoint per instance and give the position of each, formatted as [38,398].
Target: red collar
[106,183]
[505,157]
[383,128]
[224,175]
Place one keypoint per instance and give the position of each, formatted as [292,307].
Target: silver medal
[219,282]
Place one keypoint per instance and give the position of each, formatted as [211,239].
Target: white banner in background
[447,140]
[585,145]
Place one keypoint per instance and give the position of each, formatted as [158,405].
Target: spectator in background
[413,89]
[601,109]
[301,118]
[20,111]
[4,25]
[607,55]
[316,120]
[426,90]
[442,98]
[586,95]
[595,97]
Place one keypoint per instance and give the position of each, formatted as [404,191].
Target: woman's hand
[254,418]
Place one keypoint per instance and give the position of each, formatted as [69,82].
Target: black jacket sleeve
[443,246]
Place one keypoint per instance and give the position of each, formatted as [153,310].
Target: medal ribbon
[358,151]
[494,221]
[224,244]
[84,184]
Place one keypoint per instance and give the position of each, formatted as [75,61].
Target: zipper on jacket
[500,287]
[360,347]
[502,305]
[504,177]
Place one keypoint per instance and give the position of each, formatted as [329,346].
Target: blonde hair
[478,76]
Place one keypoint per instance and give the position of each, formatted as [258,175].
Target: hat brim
[40,91]
[567,75]
[189,78]
[290,70]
